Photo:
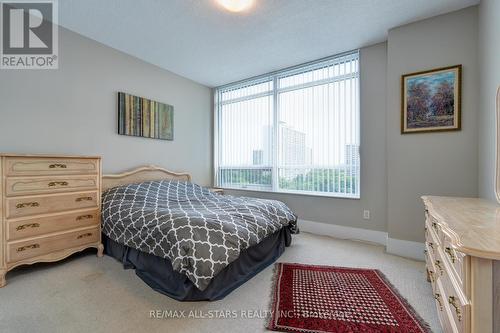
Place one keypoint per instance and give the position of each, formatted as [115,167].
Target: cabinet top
[472,224]
[46,155]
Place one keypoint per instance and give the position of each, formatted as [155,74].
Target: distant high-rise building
[293,146]
[352,154]
[258,157]
[293,152]
[352,158]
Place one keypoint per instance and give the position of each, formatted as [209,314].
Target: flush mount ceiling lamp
[236,5]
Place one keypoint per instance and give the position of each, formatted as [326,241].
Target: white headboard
[142,174]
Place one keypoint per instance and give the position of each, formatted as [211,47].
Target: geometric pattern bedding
[200,232]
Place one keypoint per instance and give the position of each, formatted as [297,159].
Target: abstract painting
[431,100]
[138,116]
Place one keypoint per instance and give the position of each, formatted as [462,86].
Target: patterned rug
[334,299]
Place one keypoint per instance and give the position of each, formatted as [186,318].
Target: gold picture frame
[431,100]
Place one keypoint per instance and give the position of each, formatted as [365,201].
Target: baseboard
[342,232]
[404,248]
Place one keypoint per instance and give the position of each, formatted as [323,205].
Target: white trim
[342,232]
[305,193]
[404,248]
[497,144]
[290,70]
[319,82]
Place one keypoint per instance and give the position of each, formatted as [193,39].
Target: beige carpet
[87,294]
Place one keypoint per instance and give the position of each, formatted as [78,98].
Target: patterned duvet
[199,231]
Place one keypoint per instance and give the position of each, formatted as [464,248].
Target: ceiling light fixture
[236,5]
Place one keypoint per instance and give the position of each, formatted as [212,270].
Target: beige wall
[349,212]
[430,163]
[73,110]
[489,64]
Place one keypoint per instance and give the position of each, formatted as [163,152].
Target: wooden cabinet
[462,253]
[49,208]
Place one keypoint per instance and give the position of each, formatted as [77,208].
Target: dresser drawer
[39,185]
[443,310]
[456,301]
[457,261]
[435,229]
[26,166]
[437,262]
[25,206]
[36,226]
[20,250]
[431,243]
[429,261]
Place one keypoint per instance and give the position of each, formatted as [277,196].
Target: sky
[433,79]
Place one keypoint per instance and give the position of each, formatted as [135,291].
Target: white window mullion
[275,140]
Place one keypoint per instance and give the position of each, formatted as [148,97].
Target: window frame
[274,77]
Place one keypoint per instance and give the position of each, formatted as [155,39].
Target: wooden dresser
[50,208]
[462,259]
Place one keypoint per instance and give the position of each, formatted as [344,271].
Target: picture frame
[143,117]
[431,100]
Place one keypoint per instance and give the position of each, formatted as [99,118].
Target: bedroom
[348,170]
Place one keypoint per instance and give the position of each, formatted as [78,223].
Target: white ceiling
[199,40]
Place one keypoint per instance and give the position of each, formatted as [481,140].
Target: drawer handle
[58,165]
[438,265]
[437,297]
[84,217]
[453,301]
[27,204]
[52,184]
[28,247]
[29,225]
[449,251]
[435,226]
[84,199]
[88,234]
[431,275]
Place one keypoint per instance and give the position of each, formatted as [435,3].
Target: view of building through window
[292,131]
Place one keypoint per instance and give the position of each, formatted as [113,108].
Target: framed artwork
[138,116]
[431,100]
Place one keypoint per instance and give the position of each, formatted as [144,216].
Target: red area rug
[334,299]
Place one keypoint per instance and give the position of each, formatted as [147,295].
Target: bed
[185,241]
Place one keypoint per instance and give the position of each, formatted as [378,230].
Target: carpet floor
[87,294]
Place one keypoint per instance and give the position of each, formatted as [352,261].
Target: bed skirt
[157,272]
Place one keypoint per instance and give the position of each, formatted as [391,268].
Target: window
[292,131]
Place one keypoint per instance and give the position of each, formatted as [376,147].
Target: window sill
[299,193]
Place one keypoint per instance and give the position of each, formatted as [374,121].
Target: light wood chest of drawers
[462,253]
[50,208]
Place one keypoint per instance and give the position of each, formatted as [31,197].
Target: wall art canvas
[431,100]
[138,116]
